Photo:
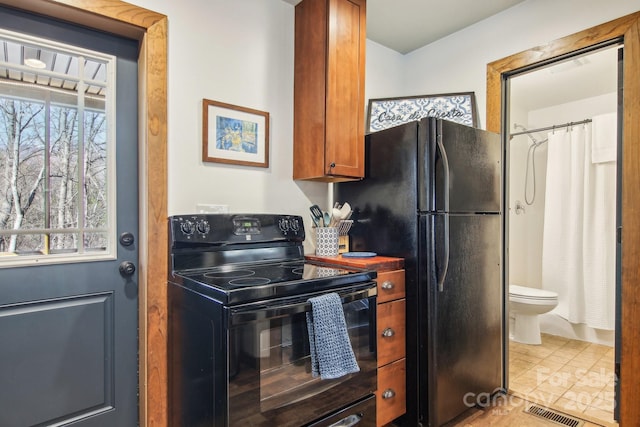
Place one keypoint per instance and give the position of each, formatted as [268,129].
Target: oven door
[270,380]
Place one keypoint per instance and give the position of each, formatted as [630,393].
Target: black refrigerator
[432,195]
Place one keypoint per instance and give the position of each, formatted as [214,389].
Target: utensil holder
[343,244]
[326,241]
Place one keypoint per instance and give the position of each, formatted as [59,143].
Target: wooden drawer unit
[391,331]
[391,394]
[390,285]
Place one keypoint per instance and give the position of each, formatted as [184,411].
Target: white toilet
[525,304]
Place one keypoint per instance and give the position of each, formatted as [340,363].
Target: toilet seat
[525,293]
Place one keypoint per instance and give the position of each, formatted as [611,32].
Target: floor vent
[553,416]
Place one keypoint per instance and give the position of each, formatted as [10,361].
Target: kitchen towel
[330,347]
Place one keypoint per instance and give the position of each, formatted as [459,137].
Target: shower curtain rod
[550,128]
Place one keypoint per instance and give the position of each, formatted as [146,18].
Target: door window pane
[56,152]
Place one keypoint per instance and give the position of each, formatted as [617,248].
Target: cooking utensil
[344,227]
[336,216]
[316,212]
[345,211]
[315,221]
[327,219]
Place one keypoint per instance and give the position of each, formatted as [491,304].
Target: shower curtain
[578,250]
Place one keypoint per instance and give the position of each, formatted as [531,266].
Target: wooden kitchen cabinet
[328,130]
[390,328]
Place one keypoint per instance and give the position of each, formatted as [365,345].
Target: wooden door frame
[150,29]
[626,29]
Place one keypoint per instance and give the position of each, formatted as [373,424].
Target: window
[57,152]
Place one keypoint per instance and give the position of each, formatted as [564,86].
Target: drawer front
[391,393]
[391,331]
[390,285]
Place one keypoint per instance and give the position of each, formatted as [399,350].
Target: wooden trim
[150,28]
[626,28]
[153,307]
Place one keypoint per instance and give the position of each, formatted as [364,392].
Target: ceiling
[406,25]
[578,78]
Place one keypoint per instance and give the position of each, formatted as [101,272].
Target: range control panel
[235,228]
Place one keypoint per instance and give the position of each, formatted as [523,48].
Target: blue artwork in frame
[234,135]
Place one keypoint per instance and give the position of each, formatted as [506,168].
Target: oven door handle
[349,421]
[265,311]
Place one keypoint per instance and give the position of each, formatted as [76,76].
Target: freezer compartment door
[467,169]
[465,313]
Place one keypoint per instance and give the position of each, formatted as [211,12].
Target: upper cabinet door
[330,38]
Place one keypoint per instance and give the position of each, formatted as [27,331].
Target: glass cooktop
[243,283]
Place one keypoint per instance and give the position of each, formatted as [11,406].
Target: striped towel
[330,348]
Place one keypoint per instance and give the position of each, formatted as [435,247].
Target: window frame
[79,254]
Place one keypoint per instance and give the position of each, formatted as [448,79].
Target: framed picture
[234,135]
[384,113]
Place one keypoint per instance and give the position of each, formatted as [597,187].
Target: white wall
[384,72]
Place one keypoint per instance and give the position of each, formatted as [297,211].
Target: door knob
[127,239]
[127,268]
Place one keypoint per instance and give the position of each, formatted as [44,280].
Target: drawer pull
[388,394]
[388,332]
[387,285]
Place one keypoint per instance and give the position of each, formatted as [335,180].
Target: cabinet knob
[332,165]
[388,333]
[387,284]
[388,394]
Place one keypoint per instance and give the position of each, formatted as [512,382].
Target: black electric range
[239,292]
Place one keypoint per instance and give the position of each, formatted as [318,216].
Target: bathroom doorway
[562,212]
[621,30]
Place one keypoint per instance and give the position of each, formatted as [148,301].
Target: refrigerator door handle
[443,272]
[445,184]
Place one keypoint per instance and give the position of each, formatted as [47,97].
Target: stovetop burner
[229,274]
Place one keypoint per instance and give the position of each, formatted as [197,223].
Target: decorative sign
[388,112]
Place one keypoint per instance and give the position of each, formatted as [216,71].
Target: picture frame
[234,135]
[383,113]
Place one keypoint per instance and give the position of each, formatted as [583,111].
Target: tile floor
[575,377]
[507,411]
